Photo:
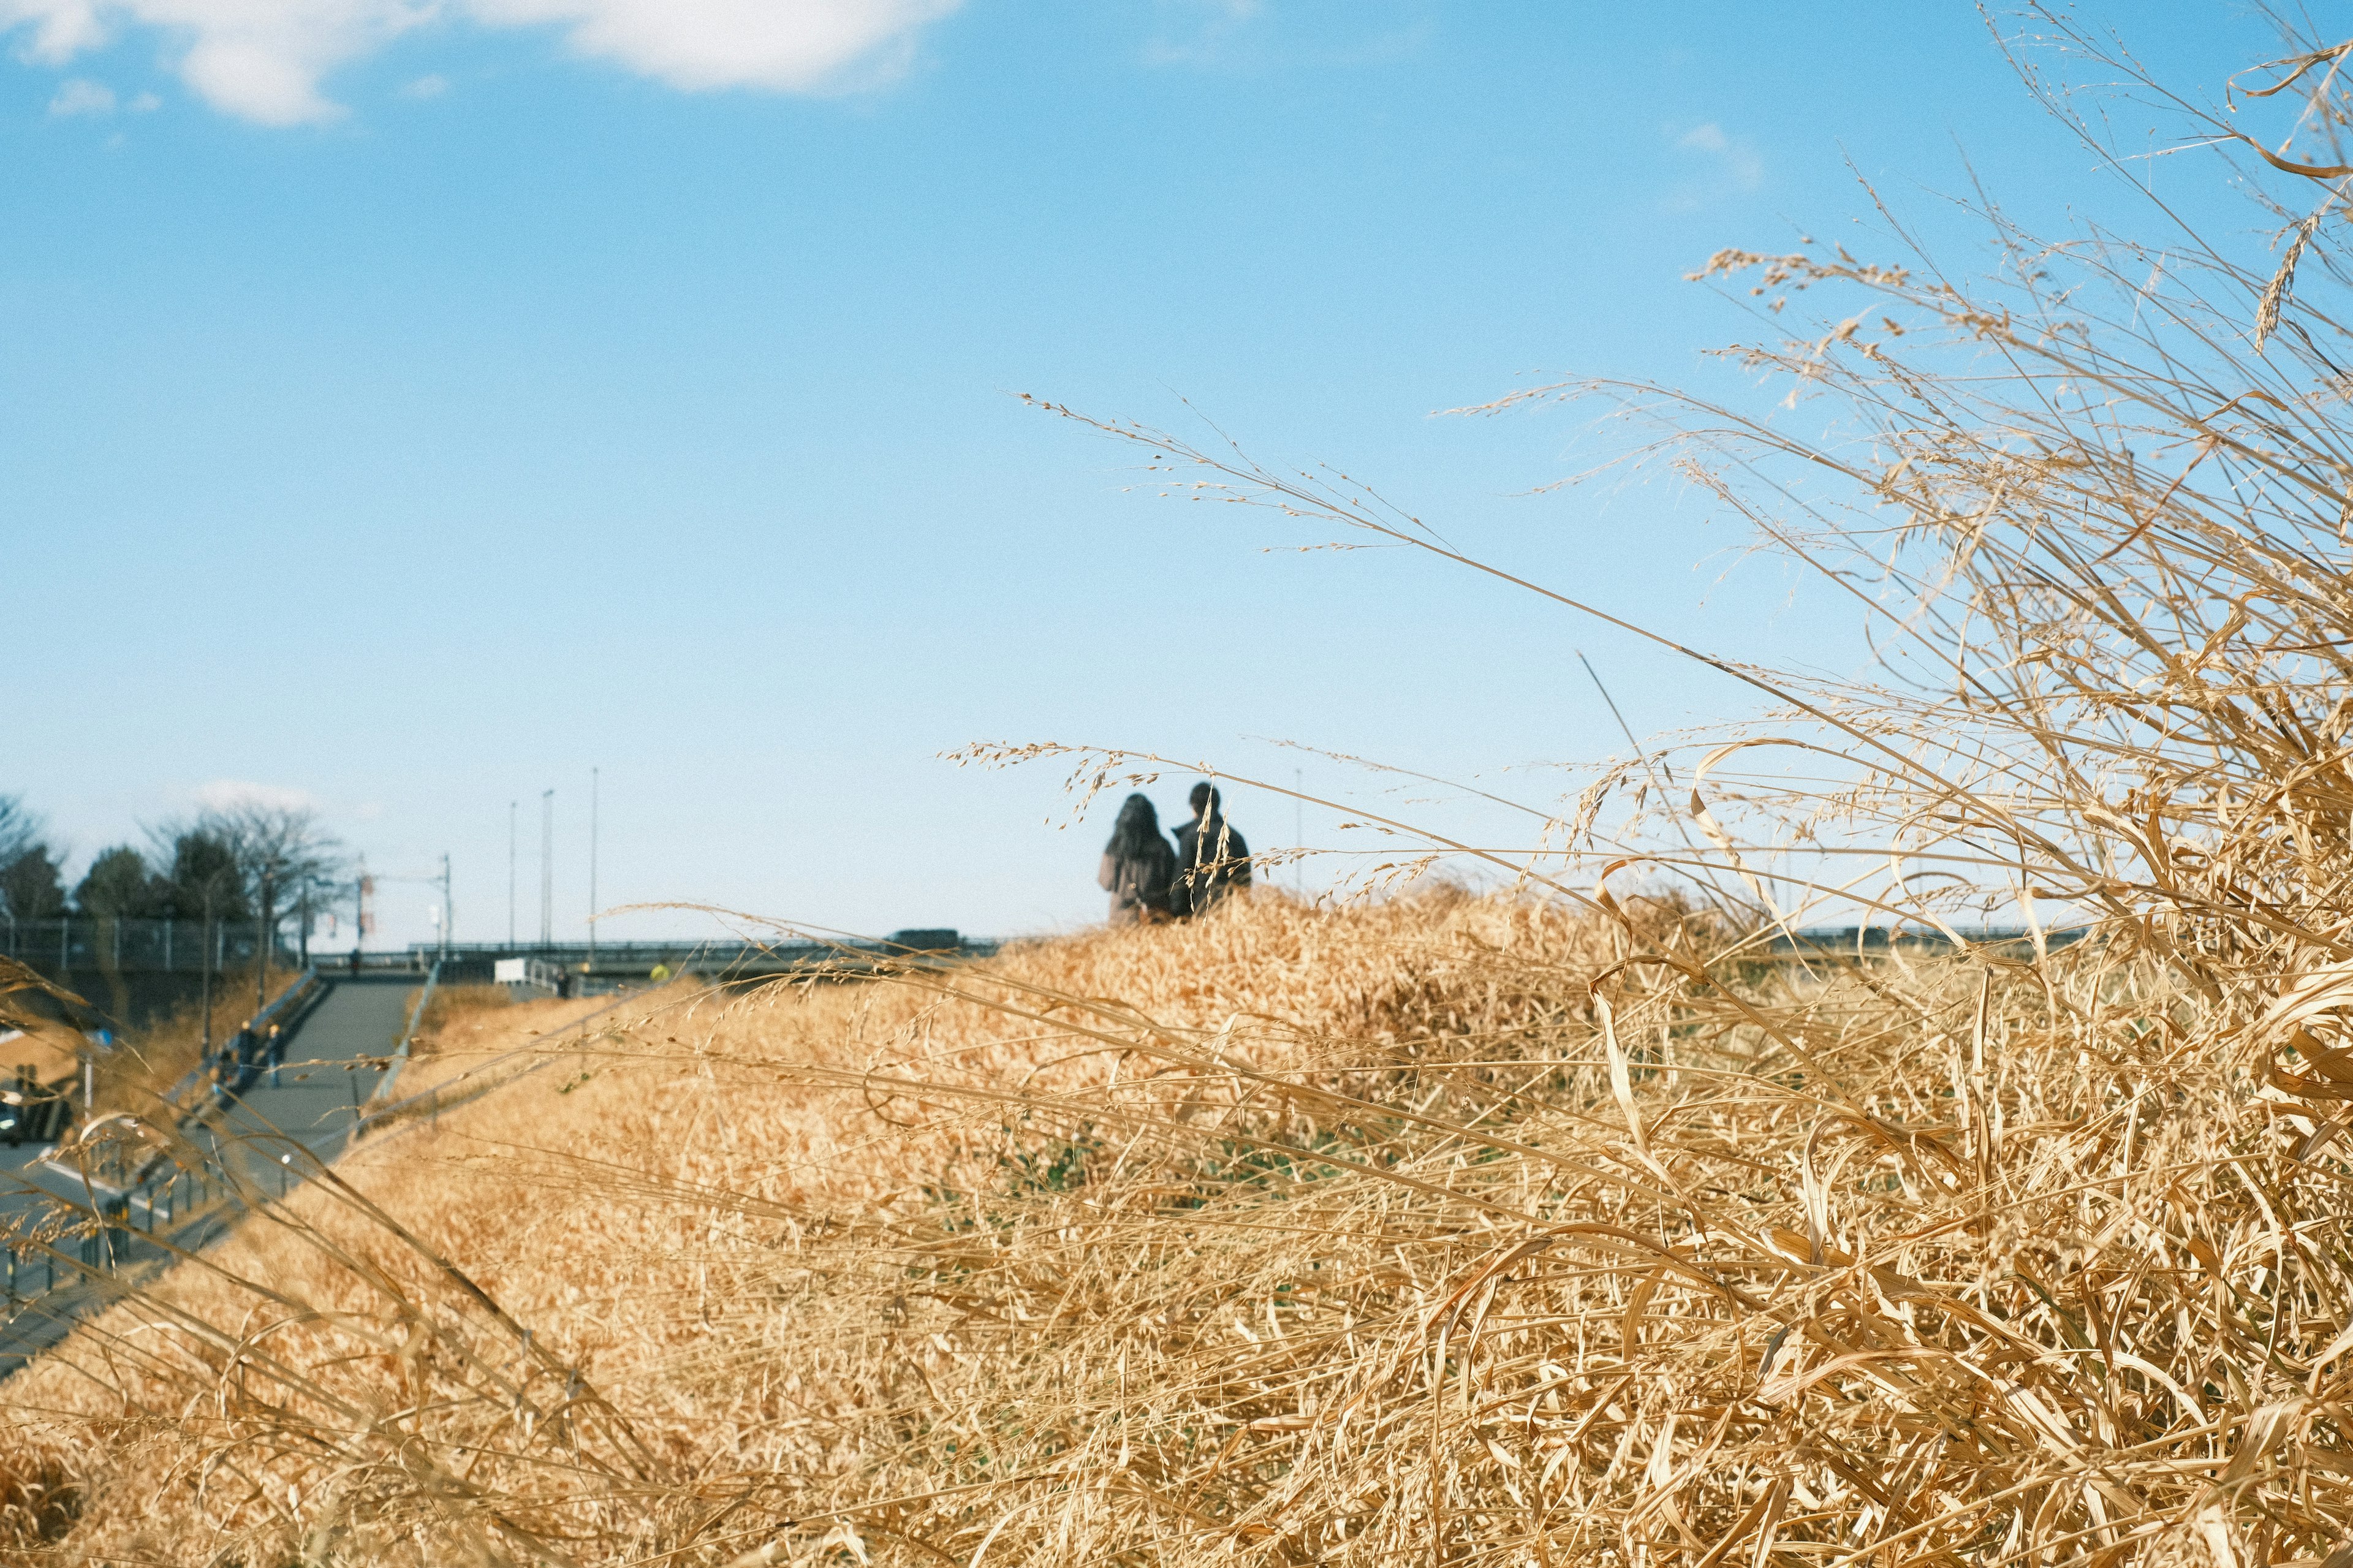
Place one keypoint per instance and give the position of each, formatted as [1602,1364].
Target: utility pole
[262,924]
[210,882]
[448,915]
[512,806]
[592,867]
[546,868]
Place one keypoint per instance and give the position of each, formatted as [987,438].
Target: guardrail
[154,1216]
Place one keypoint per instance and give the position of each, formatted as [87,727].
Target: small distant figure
[1137,867]
[1212,861]
[355,960]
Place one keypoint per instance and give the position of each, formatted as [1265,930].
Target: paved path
[339,1055]
[336,1058]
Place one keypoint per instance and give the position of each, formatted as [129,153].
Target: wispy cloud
[1723,165]
[425,87]
[265,60]
[1200,32]
[227,794]
[1230,34]
[81,96]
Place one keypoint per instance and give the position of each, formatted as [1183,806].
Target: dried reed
[1486,1230]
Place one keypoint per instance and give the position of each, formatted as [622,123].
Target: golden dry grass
[654,1184]
[1412,1231]
[1555,1229]
[454,1012]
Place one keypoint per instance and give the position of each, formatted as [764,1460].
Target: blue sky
[406,407]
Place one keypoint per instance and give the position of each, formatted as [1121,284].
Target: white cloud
[1729,164]
[1199,32]
[79,96]
[791,46]
[145,103]
[264,59]
[227,794]
[425,87]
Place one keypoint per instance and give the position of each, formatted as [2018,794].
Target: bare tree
[19,828]
[274,855]
[30,887]
[282,850]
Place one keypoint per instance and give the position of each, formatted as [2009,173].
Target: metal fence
[81,1244]
[121,1191]
[102,942]
[476,960]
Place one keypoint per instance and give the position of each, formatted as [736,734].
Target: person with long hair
[1137,866]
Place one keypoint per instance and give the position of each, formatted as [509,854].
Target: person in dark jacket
[1137,866]
[1212,861]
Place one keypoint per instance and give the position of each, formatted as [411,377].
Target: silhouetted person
[1212,861]
[1137,866]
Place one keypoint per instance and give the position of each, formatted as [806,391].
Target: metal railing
[124,1205]
[107,943]
[121,1196]
[122,1186]
[246,1053]
[478,961]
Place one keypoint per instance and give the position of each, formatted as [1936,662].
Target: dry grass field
[1412,1231]
[1558,1225]
[697,1212]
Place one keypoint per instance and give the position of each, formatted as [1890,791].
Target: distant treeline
[234,863]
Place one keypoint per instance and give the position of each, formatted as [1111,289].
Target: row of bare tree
[230,863]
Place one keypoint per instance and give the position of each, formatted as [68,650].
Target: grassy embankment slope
[1339,1235]
[698,1213]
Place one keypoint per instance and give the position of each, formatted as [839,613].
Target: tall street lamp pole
[592,867]
[546,868]
[262,924]
[210,883]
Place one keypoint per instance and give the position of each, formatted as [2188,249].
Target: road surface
[336,1058]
